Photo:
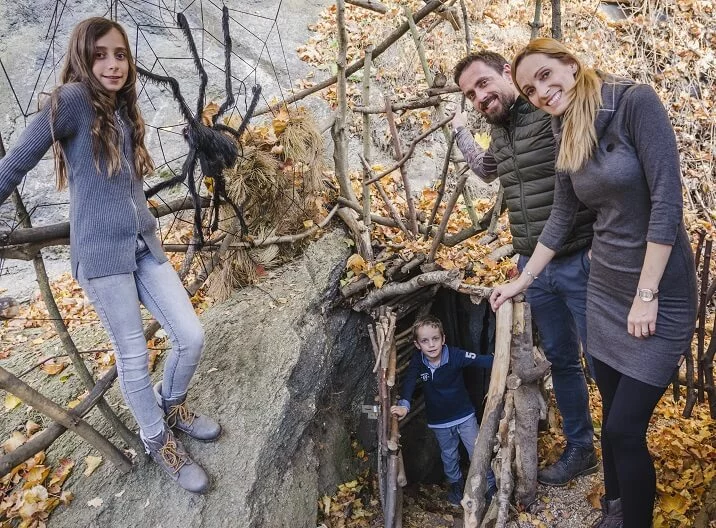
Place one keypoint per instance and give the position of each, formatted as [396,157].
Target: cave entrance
[468,326]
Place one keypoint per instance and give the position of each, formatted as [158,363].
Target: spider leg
[176,180]
[250,110]
[190,165]
[220,192]
[184,25]
[227,65]
[173,85]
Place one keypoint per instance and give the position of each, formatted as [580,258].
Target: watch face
[646,295]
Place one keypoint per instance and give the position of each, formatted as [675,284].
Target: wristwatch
[646,294]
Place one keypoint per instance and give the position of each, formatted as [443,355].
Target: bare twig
[412,216]
[411,147]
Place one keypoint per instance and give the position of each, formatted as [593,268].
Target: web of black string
[130,8]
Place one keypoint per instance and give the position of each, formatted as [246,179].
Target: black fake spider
[209,144]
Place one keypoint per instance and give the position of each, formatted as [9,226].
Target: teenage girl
[96,131]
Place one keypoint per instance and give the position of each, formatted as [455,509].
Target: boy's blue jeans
[449,442]
[558,300]
[116,300]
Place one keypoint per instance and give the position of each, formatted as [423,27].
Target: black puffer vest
[524,152]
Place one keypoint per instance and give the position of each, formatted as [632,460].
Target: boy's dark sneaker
[455,494]
[491,492]
[575,461]
[612,516]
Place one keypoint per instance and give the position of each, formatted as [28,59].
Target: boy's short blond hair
[427,320]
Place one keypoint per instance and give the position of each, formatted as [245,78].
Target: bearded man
[522,154]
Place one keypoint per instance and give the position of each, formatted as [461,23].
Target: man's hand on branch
[460,120]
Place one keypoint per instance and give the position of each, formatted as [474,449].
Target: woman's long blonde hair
[105,135]
[579,137]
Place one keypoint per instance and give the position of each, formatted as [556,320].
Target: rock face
[285,374]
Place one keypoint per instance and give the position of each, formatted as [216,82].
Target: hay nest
[278,182]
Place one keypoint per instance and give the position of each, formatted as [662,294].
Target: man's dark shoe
[575,461]
[612,516]
[455,494]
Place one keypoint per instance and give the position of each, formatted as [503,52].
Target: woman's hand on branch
[505,292]
[641,321]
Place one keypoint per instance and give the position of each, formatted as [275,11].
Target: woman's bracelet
[531,275]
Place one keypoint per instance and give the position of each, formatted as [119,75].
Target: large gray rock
[285,374]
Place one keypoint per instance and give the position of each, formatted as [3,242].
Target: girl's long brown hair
[105,135]
[579,137]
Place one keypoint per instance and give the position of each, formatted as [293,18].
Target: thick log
[31,397]
[449,278]
[507,451]
[413,104]
[372,5]
[361,235]
[24,243]
[527,400]
[338,132]
[473,502]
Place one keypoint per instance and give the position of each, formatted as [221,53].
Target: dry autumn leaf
[92,463]
[16,440]
[11,401]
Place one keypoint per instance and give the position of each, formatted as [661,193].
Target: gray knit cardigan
[107,213]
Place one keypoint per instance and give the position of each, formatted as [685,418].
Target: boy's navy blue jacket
[446,397]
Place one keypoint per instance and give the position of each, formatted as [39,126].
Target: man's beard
[503,116]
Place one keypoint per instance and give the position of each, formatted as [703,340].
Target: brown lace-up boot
[171,456]
[179,416]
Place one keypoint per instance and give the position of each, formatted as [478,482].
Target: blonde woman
[617,154]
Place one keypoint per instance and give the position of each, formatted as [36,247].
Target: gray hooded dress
[633,184]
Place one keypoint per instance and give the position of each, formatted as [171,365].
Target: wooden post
[338,131]
[365,98]
[474,500]
[528,402]
[557,19]
[536,24]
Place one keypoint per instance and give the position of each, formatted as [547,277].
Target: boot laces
[172,456]
[182,413]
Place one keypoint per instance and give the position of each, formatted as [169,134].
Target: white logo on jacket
[425,376]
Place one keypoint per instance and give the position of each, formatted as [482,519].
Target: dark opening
[468,326]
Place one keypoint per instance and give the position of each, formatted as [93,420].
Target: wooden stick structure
[391,474]
[512,411]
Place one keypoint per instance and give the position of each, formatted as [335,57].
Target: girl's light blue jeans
[449,441]
[116,300]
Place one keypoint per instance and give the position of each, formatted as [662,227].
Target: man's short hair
[427,320]
[490,58]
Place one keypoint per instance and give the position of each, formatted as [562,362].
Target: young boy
[451,415]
